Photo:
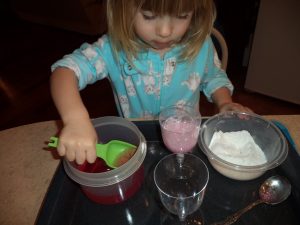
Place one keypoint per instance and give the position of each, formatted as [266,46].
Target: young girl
[157,53]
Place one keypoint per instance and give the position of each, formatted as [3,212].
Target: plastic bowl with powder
[242,146]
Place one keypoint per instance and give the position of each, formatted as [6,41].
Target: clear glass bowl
[265,134]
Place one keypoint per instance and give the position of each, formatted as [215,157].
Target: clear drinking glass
[181,183]
[180,128]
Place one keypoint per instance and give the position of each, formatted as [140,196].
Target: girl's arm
[78,137]
[222,98]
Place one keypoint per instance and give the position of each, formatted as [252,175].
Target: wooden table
[28,166]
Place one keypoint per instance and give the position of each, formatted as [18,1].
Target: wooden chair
[223,48]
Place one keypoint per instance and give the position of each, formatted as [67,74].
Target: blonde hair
[121,14]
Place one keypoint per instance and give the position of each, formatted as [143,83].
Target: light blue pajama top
[153,83]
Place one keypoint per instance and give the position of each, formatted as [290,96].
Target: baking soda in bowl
[237,147]
[242,146]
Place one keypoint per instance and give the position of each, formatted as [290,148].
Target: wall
[275,56]
[84,16]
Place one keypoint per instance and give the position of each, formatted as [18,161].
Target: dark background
[29,47]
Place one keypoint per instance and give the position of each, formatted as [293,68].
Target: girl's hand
[78,141]
[223,101]
[232,106]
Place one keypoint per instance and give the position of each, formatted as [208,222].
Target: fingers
[235,107]
[61,150]
[80,156]
[86,153]
[70,155]
[91,156]
[77,152]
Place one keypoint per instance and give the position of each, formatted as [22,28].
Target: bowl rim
[261,167]
[194,114]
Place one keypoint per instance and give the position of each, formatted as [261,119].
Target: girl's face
[161,32]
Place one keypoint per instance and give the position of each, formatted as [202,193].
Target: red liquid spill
[98,167]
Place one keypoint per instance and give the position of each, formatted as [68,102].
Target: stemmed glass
[181,185]
[181,178]
[180,128]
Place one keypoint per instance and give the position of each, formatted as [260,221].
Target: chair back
[223,48]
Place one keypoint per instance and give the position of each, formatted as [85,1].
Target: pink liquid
[178,136]
[115,197]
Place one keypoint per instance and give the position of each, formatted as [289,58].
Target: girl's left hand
[233,106]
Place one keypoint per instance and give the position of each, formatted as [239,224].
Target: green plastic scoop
[115,153]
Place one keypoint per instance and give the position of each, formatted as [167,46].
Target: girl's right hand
[78,141]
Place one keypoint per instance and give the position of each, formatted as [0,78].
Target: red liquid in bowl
[127,190]
[99,166]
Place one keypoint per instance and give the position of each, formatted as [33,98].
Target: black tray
[66,204]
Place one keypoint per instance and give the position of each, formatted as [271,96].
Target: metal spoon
[273,190]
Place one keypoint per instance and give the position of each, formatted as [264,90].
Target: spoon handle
[234,217]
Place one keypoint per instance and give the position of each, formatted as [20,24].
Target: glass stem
[180,158]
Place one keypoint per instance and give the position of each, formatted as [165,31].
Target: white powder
[237,147]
